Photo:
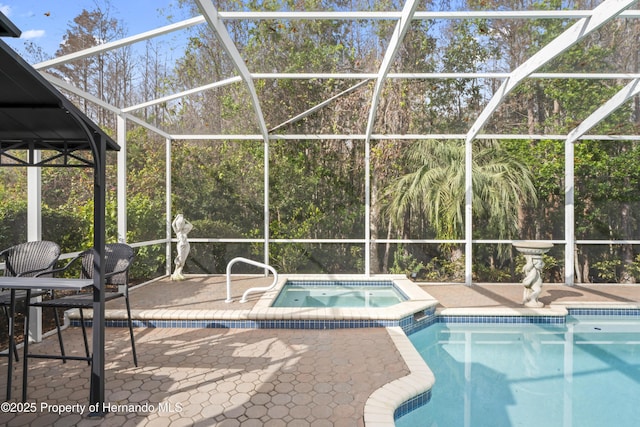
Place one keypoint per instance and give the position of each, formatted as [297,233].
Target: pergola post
[121,123]
[34,233]
[97,384]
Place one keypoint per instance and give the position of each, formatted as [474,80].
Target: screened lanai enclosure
[361,137]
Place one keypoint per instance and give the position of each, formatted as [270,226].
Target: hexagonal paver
[245,377]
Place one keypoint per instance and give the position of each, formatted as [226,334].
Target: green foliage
[211,258]
[145,218]
[64,228]
[221,182]
[442,270]
[85,213]
[13,222]
[608,270]
[405,263]
[435,190]
[57,225]
[487,274]
[146,222]
[437,269]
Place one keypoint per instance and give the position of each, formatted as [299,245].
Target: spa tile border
[255,324]
[263,316]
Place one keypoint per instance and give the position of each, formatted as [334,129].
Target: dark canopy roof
[7,28]
[34,114]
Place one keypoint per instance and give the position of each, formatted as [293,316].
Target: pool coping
[382,404]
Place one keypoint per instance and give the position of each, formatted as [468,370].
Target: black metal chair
[30,259]
[118,260]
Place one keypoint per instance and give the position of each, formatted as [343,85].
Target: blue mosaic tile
[611,312]
[362,282]
[551,320]
[416,326]
[412,404]
[250,324]
[409,324]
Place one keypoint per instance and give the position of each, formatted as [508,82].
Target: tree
[436,189]
[107,75]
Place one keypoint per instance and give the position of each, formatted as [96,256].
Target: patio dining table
[29,284]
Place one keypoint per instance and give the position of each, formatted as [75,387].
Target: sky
[44,22]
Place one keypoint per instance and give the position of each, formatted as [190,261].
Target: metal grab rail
[256,289]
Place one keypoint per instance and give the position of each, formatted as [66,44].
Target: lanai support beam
[91,98]
[213,19]
[569,214]
[394,44]
[122,178]
[182,94]
[215,22]
[629,91]
[602,14]
[319,106]
[95,50]
[168,201]
[308,15]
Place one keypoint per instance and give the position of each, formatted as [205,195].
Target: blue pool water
[582,374]
[350,293]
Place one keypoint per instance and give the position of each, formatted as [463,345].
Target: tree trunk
[627,250]
[387,250]
[576,263]
[373,226]
[585,269]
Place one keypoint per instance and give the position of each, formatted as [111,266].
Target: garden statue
[181,227]
[532,281]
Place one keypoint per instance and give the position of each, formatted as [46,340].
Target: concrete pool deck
[270,377]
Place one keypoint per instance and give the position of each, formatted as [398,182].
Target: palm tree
[435,191]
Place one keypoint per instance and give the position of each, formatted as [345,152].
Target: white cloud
[5,9]
[32,34]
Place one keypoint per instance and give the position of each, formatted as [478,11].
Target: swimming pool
[338,293]
[584,373]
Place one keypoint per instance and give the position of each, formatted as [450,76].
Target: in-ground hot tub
[339,293]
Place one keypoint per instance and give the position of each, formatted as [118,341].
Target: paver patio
[203,377]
